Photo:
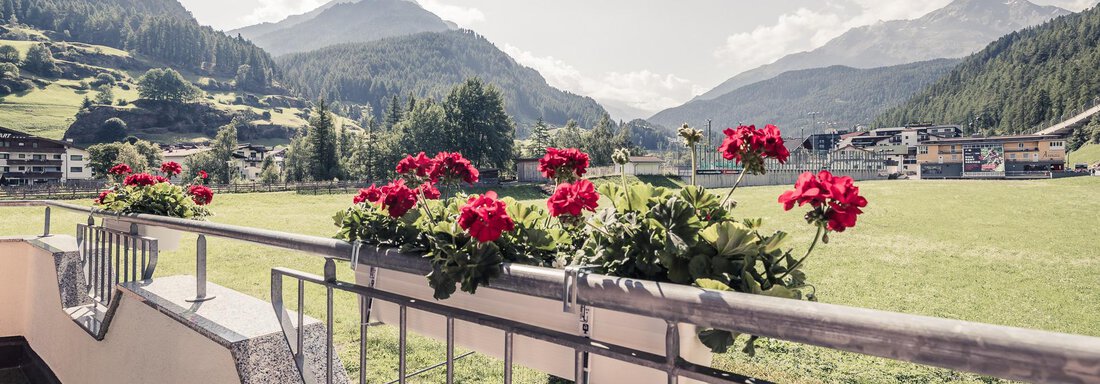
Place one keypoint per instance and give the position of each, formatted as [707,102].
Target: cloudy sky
[636,55]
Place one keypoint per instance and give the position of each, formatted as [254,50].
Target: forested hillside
[428,65]
[161,29]
[1018,82]
[356,22]
[842,96]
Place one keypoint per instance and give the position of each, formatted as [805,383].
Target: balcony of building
[87,305]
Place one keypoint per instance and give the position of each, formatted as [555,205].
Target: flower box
[167,239]
[618,328]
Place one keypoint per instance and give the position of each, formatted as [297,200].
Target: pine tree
[324,160]
[540,137]
[478,125]
[601,142]
[393,114]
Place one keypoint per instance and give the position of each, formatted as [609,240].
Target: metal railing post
[46,226]
[200,271]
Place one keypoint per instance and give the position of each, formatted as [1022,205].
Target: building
[248,161]
[26,160]
[899,144]
[643,165]
[823,142]
[1022,156]
[527,171]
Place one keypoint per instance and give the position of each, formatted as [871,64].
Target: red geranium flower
[746,144]
[738,142]
[141,180]
[451,167]
[429,190]
[485,217]
[371,194]
[203,175]
[572,198]
[200,194]
[121,169]
[836,200]
[419,165]
[568,163]
[171,168]
[398,198]
[103,195]
[772,141]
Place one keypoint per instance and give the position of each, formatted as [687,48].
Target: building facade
[28,160]
[899,144]
[1023,156]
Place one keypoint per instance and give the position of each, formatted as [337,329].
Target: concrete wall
[773,178]
[143,345]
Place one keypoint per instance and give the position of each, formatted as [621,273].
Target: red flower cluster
[485,217]
[200,194]
[121,169]
[397,198]
[837,197]
[203,175]
[171,168]
[143,179]
[567,163]
[572,198]
[450,167]
[419,165]
[369,194]
[749,141]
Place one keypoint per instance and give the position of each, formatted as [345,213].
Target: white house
[28,159]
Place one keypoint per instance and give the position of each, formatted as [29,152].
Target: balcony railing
[1000,351]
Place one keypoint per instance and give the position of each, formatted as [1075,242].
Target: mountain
[954,31]
[160,29]
[254,31]
[429,64]
[344,21]
[843,96]
[1019,81]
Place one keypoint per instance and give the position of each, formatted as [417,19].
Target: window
[21,169]
[76,169]
[1021,145]
[57,157]
[22,156]
[1012,156]
[4,156]
[923,149]
[1057,144]
[34,144]
[76,157]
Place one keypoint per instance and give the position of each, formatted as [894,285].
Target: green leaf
[699,266]
[730,239]
[718,341]
[712,284]
[784,292]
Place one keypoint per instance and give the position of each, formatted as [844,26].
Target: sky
[636,57]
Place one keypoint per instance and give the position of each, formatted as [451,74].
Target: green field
[1018,253]
[1087,154]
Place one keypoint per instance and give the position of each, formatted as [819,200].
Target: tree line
[162,29]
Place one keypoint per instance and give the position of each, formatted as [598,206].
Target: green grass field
[1087,154]
[1017,253]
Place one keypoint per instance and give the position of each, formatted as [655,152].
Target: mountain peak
[954,31]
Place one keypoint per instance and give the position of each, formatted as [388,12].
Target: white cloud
[463,16]
[276,10]
[806,29]
[640,89]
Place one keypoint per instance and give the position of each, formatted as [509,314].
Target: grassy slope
[1087,154]
[50,110]
[1016,253]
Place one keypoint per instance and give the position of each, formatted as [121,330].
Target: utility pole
[813,123]
[710,147]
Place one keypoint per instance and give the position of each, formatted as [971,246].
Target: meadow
[1017,253]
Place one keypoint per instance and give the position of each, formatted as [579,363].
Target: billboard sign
[983,160]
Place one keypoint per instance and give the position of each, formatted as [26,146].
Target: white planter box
[167,239]
[627,330]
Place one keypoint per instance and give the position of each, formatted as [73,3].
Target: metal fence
[1000,351]
[64,192]
[111,257]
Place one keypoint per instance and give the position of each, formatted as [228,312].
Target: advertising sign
[983,160]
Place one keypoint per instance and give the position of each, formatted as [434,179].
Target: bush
[8,54]
[166,84]
[9,70]
[40,60]
[103,79]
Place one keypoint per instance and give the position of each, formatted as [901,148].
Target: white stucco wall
[141,346]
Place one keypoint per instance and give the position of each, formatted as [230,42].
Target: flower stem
[739,178]
[694,166]
[820,231]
